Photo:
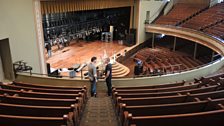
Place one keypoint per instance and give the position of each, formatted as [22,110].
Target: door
[6,65]
[1,70]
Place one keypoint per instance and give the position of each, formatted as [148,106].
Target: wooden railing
[207,40]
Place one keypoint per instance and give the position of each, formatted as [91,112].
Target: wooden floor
[81,53]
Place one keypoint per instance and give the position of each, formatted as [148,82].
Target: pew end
[127,118]
[114,95]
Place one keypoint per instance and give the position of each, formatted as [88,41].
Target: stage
[81,52]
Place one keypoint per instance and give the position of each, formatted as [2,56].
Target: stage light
[163,35]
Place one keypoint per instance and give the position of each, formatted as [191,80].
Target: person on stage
[92,73]
[48,47]
[108,76]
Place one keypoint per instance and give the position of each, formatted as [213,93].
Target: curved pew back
[14,87]
[170,109]
[37,101]
[152,86]
[177,88]
[40,94]
[29,110]
[157,94]
[211,118]
[47,86]
[169,99]
[40,111]
[10,120]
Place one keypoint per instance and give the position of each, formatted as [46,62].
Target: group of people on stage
[92,74]
[59,41]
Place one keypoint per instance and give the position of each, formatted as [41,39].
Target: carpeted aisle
[99,111]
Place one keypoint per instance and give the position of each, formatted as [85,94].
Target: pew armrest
[70,121]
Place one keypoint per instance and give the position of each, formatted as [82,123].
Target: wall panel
[58,6]
[205,2]
[17,19]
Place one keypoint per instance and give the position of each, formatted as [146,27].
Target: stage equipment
[106,37]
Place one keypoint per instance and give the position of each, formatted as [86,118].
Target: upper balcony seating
[209,21]
[179,13]
[216,30]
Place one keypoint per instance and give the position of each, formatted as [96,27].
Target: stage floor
[81,52]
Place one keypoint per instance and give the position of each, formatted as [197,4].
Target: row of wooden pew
[179,12]
[209,20]
[161,58]
[207,17]
[216,30]
[36,105]
[178,104]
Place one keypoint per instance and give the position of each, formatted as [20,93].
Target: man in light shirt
[92,75]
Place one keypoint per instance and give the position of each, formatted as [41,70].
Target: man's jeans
[93,87]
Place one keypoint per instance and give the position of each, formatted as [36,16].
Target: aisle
[99,111]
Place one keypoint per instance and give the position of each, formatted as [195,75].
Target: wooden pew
[176,88]
[11,120]
[170,109]
[42,101]
[167,99]
[23,93]
[157,94]
[64,91]
[209,78]
[47,86]
[41,111]
[153,86]
[179,13]
[221,80]
[37,101]
[40,90]
[210,118]
[206,20]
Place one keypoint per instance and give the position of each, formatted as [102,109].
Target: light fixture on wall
[220,1]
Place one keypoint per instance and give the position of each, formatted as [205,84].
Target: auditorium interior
[166,56]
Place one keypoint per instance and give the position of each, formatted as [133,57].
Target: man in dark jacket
[108,76]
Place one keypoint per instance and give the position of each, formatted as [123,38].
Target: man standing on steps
[92,75]
[108,76]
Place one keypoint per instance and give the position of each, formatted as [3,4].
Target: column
[40,39]
[195,50]
[132,17]
[153,40]
[212,58]
[174,43]
[1,70]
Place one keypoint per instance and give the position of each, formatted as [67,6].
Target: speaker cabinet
[133,31]
[48,68]
[129,40]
